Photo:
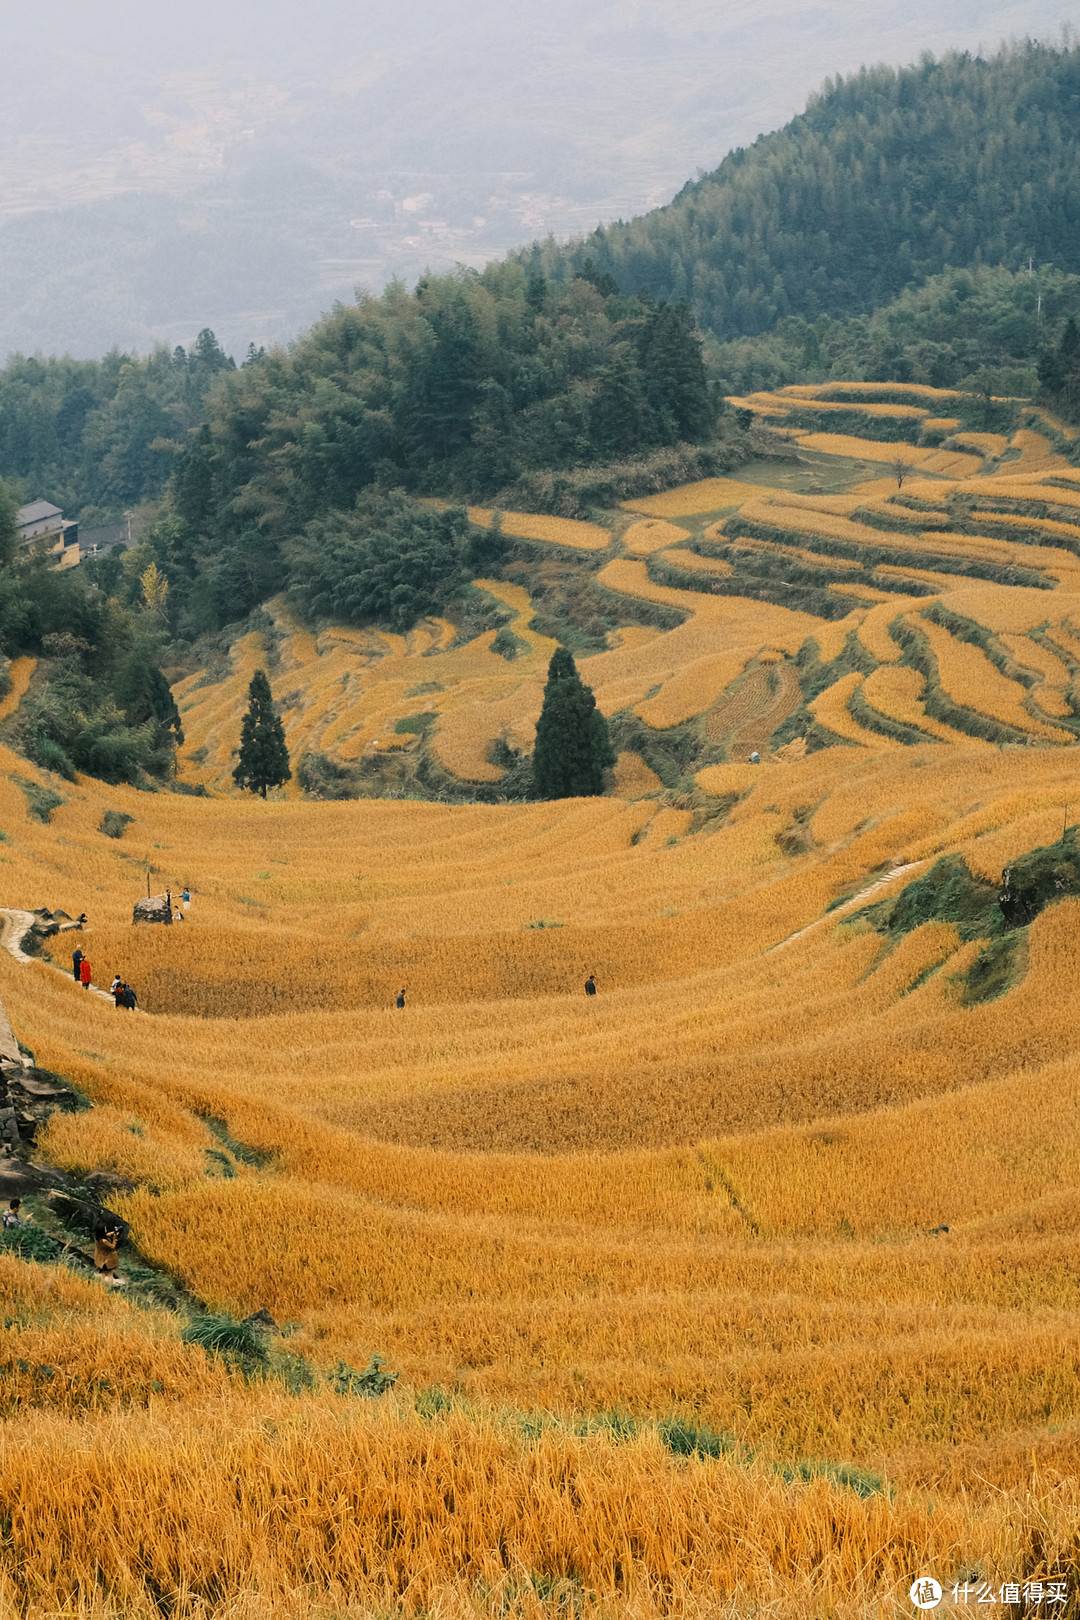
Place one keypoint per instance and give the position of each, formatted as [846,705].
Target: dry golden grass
[844,444]
[949,424]
[634,779]
[874,629]
[709,1191]
[831,709]
[987,444]
[1037,454]
[1034,656]
[916,390]
[652,534]
[1027,487]
[19,673]
[897,692]
[863,593]
[864,407]
[694,688]
[952,464]
[972,681]
[708,495]
[766,1277]
[555,531]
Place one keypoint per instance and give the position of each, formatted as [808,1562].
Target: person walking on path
[400,1002]
[76,964]
[590,986]
[84,973]
[116,990]
[128,998]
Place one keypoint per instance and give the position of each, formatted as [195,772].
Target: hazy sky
[170,164]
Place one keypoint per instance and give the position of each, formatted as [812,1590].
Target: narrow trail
[14,927]
[852,904]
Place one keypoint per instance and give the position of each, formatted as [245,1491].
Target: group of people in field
[185,901]
[122,993]
[108,1232]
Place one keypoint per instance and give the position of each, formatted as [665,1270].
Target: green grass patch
[40,801]
[223,1335]
[257,1158]
[416,724]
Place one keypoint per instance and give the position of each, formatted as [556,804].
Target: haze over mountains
[242,168]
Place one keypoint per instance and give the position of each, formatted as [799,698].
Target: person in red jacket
[84,973]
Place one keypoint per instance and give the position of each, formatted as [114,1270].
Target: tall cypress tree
[573,749]
[264,758]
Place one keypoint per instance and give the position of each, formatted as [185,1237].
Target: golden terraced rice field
[746,1287]
[705,1198]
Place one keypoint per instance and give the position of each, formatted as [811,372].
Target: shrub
[223,1335]
[416,724]
[40,801]
[374,1380]
[114,823]
[388,562]
[30,1243]
[51,757]
[322,778]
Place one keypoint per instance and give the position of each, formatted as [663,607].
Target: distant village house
[44,523]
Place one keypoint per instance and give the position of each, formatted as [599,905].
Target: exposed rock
[9,1130]
[18,1179]
[41,1090]
[154,909]
[261,1319]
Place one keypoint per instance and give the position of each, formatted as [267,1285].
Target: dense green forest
[888,177]
[468,386]
[950,331]
[104,707]
[96,436]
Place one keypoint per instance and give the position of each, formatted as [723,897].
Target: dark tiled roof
[37,512]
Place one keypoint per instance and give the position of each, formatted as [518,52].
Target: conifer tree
[573,749]
[264,758]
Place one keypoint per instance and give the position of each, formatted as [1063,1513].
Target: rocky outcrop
[154,909]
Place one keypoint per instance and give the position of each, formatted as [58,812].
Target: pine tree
[264,758]
[675,380]
[573,749]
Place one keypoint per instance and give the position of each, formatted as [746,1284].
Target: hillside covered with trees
[888,177]
[96,436]
[959,329]
[917,226]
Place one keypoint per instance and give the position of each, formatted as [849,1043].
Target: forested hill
[888,177]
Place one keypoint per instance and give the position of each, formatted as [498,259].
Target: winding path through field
[851,904]
[14,927]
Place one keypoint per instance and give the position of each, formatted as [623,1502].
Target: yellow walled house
[41,521]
